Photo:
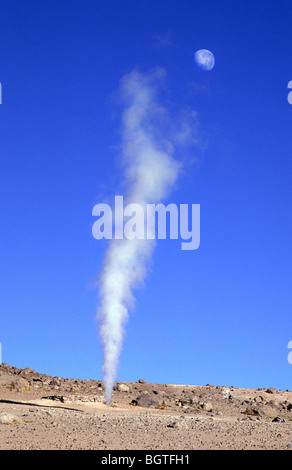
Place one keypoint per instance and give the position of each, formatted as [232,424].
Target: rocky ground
[39,412]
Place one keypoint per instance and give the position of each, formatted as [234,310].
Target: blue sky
[220,314]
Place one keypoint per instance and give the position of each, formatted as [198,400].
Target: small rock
[246,401]
[252,411]
[177,425]
[139,424]
[8,418]
[271,390]
[258,399]
[238,399]
[27,372]
[142,381]
[171,425]
[146,401]
[278,420]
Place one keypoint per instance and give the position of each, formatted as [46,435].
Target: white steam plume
[150,173]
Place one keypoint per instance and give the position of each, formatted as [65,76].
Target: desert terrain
[40,412]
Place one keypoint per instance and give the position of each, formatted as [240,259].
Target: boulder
[271,390]
[226,393]
[258,399]
[20,384]
[278,420]
[268,411]
[55,383]
[252,411]
[146,401]
[263,411]
[123,388]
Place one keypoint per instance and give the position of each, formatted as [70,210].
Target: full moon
[204,59]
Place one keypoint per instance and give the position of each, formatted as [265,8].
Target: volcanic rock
[20,384]
[27,372]
[207,406]
[146,401]
[271,390]
[123,388]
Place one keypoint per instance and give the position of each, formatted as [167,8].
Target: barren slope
[42,412]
